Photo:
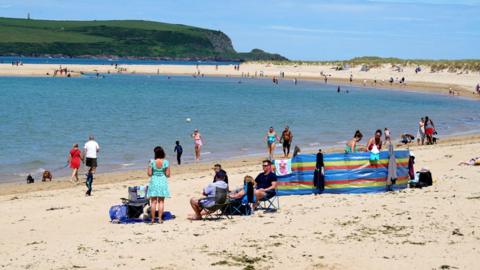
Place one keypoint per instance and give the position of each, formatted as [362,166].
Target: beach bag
[425,178]
[118,213]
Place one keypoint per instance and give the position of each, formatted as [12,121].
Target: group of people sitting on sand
[264,188]
[158,189]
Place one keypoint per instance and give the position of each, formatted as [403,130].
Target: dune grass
[375,62]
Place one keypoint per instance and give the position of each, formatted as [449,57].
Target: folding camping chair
[270,204]
[243,206]
[137,200]
[221,203]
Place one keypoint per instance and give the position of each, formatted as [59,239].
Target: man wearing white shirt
[91,149]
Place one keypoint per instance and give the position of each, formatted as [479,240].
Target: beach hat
[412,154]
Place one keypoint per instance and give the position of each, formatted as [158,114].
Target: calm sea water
[40,118]
[105,61]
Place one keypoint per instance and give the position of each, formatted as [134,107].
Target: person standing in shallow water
[198,142]
[158,170]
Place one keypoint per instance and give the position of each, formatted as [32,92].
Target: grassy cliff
[122,38]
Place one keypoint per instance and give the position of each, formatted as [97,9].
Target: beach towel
[166,216]
[283,167]
[318,176]
[392,167]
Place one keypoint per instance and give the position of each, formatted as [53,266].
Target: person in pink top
[198,141]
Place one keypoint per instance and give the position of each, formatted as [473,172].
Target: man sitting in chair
[209,200]
[266,182]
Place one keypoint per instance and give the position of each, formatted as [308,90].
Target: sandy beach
[54,226]
[462,83]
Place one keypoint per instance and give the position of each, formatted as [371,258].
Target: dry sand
[439,82]
[432,228]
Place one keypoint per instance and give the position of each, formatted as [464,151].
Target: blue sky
[298,29]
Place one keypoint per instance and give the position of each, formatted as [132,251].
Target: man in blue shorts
[209,200]
[266,182]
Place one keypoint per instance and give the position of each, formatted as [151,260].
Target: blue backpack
[118,213]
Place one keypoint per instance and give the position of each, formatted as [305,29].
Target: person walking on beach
[158,170]
[421,131]
[91,150]
[198,142]
[179,150]
[89,182]
[351,146]
[271,139]
[74,159]
[286,140]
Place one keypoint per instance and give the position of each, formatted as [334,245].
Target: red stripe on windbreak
[347,167]
[355,167]
[303,168]
[350,167]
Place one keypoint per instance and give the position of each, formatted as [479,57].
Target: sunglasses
[265,165]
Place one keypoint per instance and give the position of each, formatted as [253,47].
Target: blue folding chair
[271,204]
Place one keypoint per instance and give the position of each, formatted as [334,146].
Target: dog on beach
[47,175]
[30,179]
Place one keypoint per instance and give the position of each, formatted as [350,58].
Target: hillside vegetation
[120,38]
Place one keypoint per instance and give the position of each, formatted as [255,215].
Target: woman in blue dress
[159,171]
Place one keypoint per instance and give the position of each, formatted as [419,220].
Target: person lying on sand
[198,205]
[472,162]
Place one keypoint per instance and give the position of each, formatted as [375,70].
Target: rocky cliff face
[221,43]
